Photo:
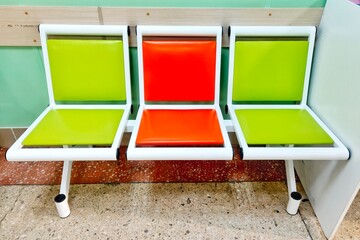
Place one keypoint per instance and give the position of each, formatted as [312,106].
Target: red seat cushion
[179,128]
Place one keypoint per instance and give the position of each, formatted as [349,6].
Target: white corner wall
[335,96]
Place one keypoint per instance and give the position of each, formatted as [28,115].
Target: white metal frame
[288,153]
[69,154]
[183,153]
[336,152]
[17,153]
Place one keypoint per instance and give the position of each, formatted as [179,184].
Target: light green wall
[23,93]
[296,3]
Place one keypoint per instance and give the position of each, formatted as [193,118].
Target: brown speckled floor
[124,171]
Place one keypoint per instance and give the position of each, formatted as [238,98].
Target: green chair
[88,79]
[269,73]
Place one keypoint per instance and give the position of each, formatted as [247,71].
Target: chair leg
[294,196]
[61,200]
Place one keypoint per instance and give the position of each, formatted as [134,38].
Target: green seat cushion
[269,70]
[281,126]
[87,70]
[76,127]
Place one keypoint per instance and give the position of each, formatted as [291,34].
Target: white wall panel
[335,97]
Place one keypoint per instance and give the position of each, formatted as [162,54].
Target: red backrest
[179,70]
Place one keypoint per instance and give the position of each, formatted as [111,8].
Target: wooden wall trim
[19,24]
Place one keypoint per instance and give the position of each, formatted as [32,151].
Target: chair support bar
[65,179]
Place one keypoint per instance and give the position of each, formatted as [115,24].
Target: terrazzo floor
[163,211]
[139,203]
[156,211]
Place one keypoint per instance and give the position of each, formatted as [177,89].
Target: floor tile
[350,227]
[6,137]
[8,197]
[155,211]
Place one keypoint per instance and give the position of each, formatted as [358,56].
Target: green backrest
[87,70]
[269,70]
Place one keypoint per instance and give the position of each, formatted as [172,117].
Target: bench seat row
[179,118]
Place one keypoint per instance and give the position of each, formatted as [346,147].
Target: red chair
[179,81]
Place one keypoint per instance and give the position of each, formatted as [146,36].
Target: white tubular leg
[65,179]
[61,200]
[290,175]
[294,196]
